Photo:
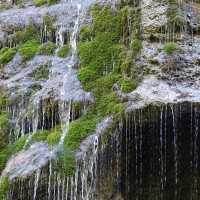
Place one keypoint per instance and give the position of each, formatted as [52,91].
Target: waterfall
[49,181]
[73,39]
[60,36]
[37,177]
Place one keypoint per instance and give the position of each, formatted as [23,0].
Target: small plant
[47,48]
[51,2]
[31,32]
[4,184]
[170,47]
[85,34]
[66,162]
[11,149]
[40,135]
[128,85]
[136,46]
[6,55]
[63,51]
[54,136]
[39,3]
[79,130]
[4,128]
[29,49]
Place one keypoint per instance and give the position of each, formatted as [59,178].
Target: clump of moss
[11,149]
[31,32]
[3,99]
[128,85]
[85,34]
[40,135]
[136,46]
[39,3]
[79,130]
[47,48]
[66,162]
[29,49]
[54,136]
[51,2]
[4,184]
[170,47]
[4,127]
[6,55]
[63,51]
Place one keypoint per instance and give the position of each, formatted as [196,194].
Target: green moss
[79,130]
[85,34]
[31,32]
[10,150]
[6,55]
[128,85]
[104,58]
[40,136]
[4,184]
[54,136]
[63,51]
[51,136]
[66,162]
[109,104]
[51,2]
[170,48]
[102,49]
[29,49]
[39,2]
[47,48]
[3,99]
[4,128]
[136,46]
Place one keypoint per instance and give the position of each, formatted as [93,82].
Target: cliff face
[99,101]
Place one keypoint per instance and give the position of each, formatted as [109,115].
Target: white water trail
[49,184]
[65,115]
[65,120]
[37,177]
[73,39]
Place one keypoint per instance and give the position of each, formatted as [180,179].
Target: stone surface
[154,15]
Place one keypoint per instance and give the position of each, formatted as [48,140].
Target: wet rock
[28,161]
[154,16]
[192,15]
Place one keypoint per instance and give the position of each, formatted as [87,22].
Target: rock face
[151,152]
[160,117]
[154,16]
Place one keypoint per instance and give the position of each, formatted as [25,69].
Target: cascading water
[38,155]
[153,155]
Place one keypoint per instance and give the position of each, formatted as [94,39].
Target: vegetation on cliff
[107,56]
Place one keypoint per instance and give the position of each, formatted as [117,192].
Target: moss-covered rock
[29,49]
[10,150]
[4,184]
[6,55]
[47,48]
[79,130]
[63,51]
